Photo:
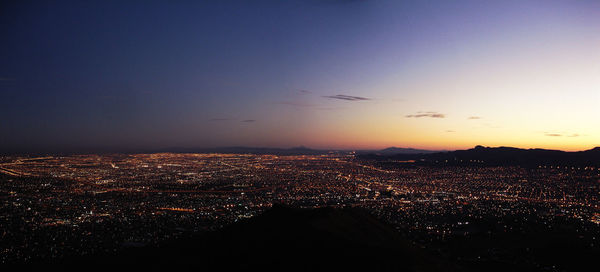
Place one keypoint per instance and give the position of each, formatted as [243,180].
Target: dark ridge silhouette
[494,156]
[280,239]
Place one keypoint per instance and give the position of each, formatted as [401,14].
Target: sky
[444,75]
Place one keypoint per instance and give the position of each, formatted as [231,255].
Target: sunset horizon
[351,74]
[300,135]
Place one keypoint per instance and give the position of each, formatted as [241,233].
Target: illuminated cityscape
[56,206]
[300,135]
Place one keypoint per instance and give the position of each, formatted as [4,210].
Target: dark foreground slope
[281,239]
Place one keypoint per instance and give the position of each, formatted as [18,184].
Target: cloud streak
[248,121]
[561,135]
[474,118]
[429,114]
[346,97]
[304,91]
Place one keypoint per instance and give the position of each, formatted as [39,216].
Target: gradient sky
[323,74]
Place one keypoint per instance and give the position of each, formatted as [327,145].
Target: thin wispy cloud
[301,91]
[474,117]
[429,114]
[347,97]
[248,121]
[450,131]
[551,134]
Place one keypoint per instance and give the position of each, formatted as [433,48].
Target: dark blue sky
[151,74]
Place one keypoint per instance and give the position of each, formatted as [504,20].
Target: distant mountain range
[397,150]
[499,156]
[479,155]
[301,150]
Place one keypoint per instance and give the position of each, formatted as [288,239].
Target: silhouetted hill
[502,156]
[281,239]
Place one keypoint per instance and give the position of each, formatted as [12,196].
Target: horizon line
[142,150]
